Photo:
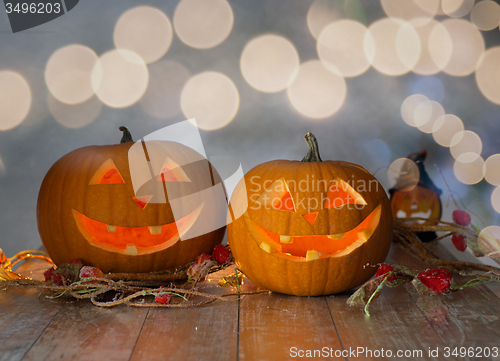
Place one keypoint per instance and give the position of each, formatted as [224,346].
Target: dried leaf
[421,288]
[401,277]
[231,280]
[363,294]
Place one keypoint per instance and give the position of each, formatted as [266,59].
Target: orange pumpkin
[88,207]
[309,228]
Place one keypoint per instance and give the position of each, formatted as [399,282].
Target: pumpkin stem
[313,153]
[127,137]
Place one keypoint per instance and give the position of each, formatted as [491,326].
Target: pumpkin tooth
[265,247]
[311,255]
[155,229]
[131,250]
[285,239]
[110,228]
[364,234]
[336,236]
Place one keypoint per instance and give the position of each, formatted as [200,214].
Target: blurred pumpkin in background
[416,196]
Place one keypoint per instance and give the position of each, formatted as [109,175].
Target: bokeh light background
[374,80]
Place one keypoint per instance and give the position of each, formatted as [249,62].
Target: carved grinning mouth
[314,246]
[134,240]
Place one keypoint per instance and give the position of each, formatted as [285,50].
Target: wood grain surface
[268,326]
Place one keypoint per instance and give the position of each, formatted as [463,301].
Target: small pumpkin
[309,228]
[417,197]
[112,206]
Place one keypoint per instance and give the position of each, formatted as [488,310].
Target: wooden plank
[23,318]
[82,331]
[280,327]
[467,318]
[396,325]
[200,333]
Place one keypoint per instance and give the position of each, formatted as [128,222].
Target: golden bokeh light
[426,115]
[423,10]
[320,14]
[120,78]
[445,128]
[67,73]
[466,146]
[162,98]
[211,98]
[488,74]
[456,8]
[269,63]
[492,170]
[426,64]
[397,46]
[495,199]
[15,99]
[440,45]
[432,7]
[485,15]
[409,106]
[74,116]
[146,31]
[405,168]
[317,92]
[341,44]
[203,24]
[467,47]
[470,172]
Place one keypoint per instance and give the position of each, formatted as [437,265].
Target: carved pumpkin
[309,228]
[89,209]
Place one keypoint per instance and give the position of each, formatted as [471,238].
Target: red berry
[384,269]
[48,274]
[439,280]
[57,279]
[221,254]
[164,298]
[460,217]
[201,267]
[88,271]
[459,242]
[76,261]
[202,258]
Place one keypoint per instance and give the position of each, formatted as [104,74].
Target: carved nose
[142,201]
[310,217]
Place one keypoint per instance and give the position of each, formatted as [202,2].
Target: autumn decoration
[302,228]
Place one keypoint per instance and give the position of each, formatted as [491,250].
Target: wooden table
[257,327]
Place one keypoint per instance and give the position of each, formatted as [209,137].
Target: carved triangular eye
[142,201]
[172,172]
[276,196]
[107,174]
[341,193]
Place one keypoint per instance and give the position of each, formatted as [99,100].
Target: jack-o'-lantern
[417,198]
[309,228]
[88,207]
